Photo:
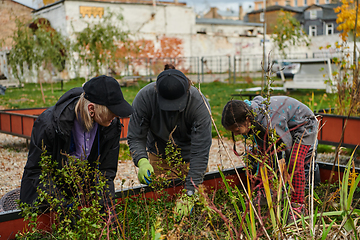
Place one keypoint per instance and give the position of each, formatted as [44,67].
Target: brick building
[9,11]
[272,14]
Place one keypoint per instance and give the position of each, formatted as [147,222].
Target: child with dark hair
[293,122]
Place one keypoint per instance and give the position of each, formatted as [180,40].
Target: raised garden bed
[12,222]
[332,126]
[19,122]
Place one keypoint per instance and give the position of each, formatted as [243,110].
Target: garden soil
[13,156]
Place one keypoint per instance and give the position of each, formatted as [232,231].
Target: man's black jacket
[52,129]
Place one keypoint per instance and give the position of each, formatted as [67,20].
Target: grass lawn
[218,94]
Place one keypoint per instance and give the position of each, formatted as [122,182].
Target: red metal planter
[332,126]
[12,222]
[19,122]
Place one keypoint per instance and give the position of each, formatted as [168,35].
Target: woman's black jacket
[52,129]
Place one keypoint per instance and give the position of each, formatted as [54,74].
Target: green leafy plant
[38,50]
[288,32]
[97,44]
[75,195]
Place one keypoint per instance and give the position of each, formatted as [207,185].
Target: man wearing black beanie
[171,106]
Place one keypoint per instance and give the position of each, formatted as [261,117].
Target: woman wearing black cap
[82,123]
[170,106]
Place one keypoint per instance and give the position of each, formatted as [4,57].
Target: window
[327,1]
[305,2]
[287,3]
[295,3]
[329,29]
[312,30]
[262,17]
[313,14]
[276,3]
[259,6]
[317,2]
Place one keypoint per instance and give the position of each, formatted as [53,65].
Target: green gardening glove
[145,171]
[185,204]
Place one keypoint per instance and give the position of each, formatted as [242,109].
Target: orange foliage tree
[140,53]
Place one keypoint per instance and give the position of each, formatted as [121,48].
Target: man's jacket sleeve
[138,129]
[201,140]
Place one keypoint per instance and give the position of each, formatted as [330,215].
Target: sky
[200,6]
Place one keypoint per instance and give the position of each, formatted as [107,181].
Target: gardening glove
[145,171]
[185,204]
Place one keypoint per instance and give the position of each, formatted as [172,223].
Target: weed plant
[75,198]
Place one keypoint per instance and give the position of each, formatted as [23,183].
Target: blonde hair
[82,109]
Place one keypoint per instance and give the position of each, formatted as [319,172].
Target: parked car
[289,69]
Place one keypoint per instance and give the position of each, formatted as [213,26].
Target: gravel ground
[13,156]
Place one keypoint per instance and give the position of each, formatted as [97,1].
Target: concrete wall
[56,14]
[148,22]
[229,30]
[144,21]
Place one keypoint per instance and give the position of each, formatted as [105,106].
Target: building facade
[153,24]
[319,20]
[291,3]
[316,20]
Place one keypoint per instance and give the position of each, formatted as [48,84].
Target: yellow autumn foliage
[346,19]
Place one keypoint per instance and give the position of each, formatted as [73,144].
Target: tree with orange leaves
[142,51]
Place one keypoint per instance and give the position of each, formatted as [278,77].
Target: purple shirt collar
[83,140]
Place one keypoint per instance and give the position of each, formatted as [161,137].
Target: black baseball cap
[105,90]
[172,88]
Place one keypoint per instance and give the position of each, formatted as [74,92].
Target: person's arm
[32,169]
[42,138]
[201,140]
[138,129]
